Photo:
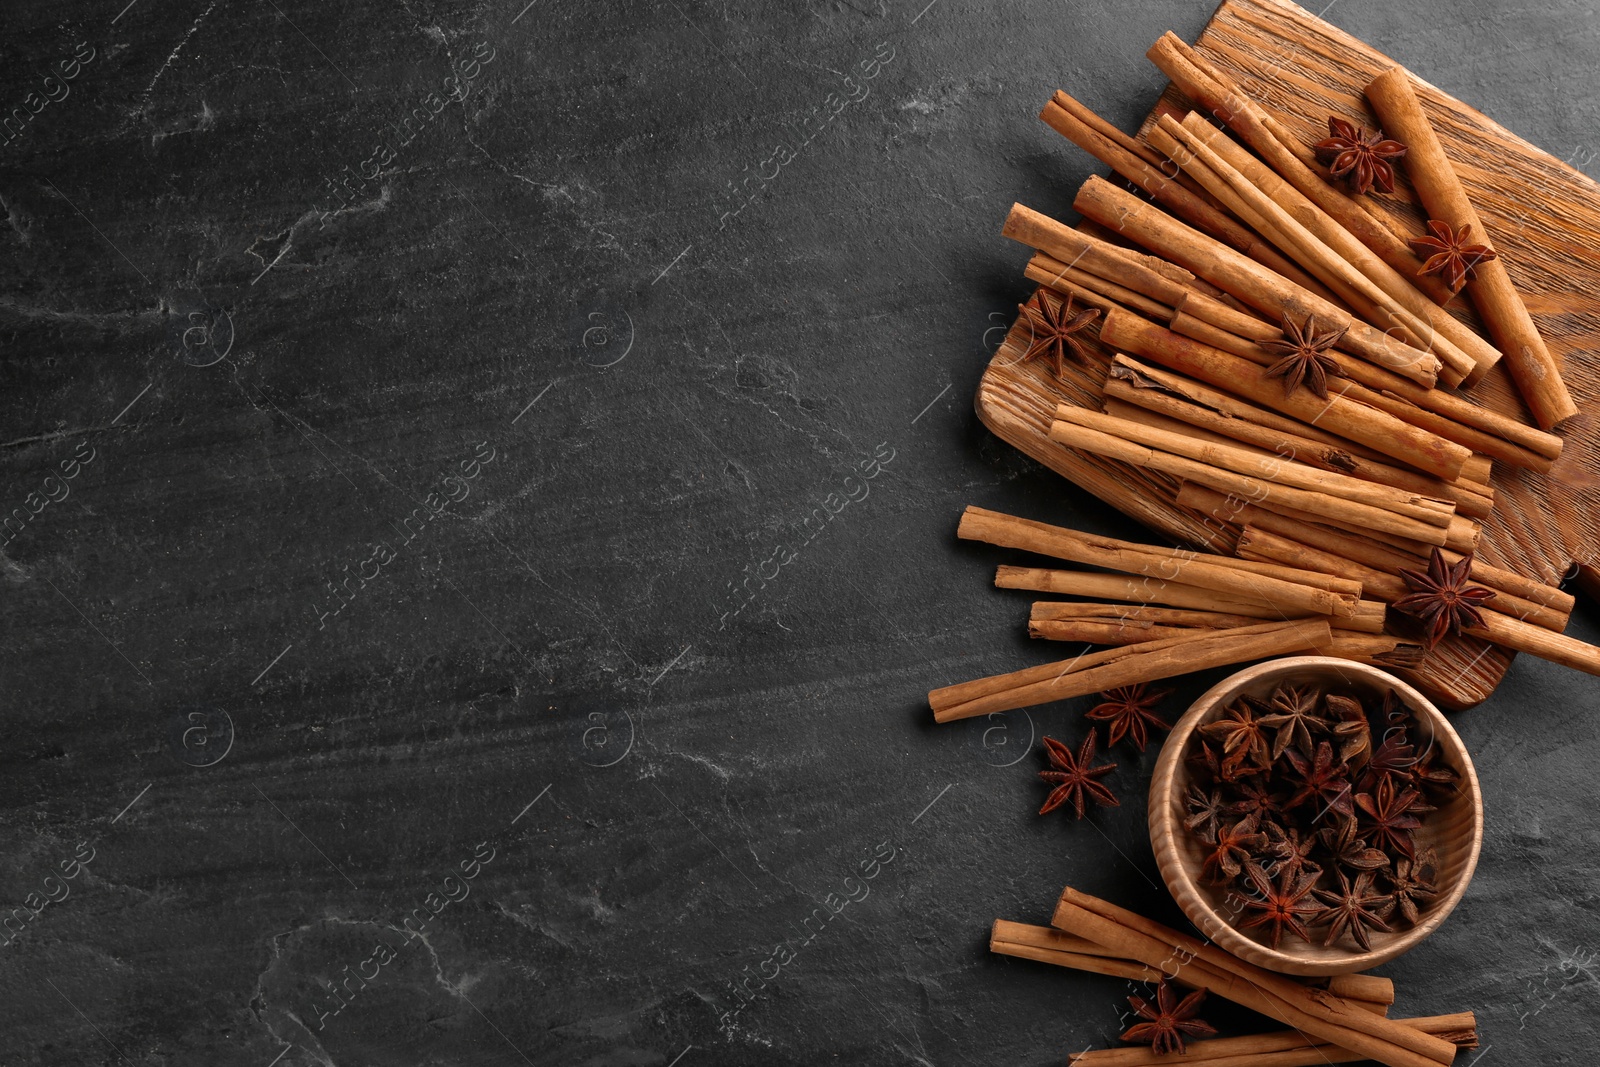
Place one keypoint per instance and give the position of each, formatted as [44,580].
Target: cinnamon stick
[1327,229]
[1209,410]
[1343,553]
[1247,280]
[1282,469]
[1378,649]
[1433,410]
[1338,414]
[1286,1048]
[1220,97]
[1326,1018]
[1187,145]
[1125,666]
[1091,288]
[1305,591]
[1336,510]
[1181,196]
[1533,368]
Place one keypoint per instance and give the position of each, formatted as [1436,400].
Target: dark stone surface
[272,376]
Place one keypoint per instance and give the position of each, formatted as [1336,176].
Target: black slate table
[480,483]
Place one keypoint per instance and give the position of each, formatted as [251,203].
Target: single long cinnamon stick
[1082,127]
[1220,97]
[1125,666]
[1432,410]
[1189,148]
[1482,353]
[1235,420]
[1049,945]
[1326,1018]
[1246,279]
[1283,469]
[1306,591]
[1535,370]
[1346,417]
[1331,508]
[1519,597]
[1285,1048]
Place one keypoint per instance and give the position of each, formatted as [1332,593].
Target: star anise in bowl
[1307,818]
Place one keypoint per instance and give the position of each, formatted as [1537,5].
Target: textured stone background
[623,665]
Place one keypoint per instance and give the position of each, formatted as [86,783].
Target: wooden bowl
[1455,830]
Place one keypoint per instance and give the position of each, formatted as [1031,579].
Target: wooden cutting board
[1544,217]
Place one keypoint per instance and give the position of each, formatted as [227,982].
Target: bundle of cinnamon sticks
[1246,247]
[1341,1021]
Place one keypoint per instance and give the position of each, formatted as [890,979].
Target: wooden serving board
[1544,218]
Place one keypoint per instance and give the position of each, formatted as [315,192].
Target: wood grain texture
[1543,216]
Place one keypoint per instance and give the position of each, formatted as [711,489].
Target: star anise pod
[1413,885]
[1350,729]
[1449,255]
[1232,849]
[1052,325]
[1244,740]
[1211,766]
[1354,909]
[1393,758]
[1349,849]
[1321,780]
[1168,1020]
[1205,807]
[1444,600]
[1076,778]
[1294,713]
[1359,157]
[1303,356]
[1388,818]
[1434,776]
[1128,711]
[1253,798]
[1290,852]
[1280,907]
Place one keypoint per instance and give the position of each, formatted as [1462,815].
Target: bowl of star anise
[1315,816]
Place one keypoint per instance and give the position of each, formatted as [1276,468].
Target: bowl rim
[1165,830]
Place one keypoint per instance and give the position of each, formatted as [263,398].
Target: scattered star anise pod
[1350,850]
[1359,157]
[1354,909]
[1449,255]
[1232,849]
[1052,326]
[1128,711]
[1244,741]
[1412,885]
[1443,599]
[1076,778]
[1321,780]
[1387,813]
[1303,356]
[1168,1020]
[1280,907]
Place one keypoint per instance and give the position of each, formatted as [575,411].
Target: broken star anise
[1362,159]
[1129,712]
[1449,255]
[1355,909]
[1280,907]
[1442,597]
[1052,326]
[1411,885]
[1303,356]
[1168,1019]
[1076,777]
